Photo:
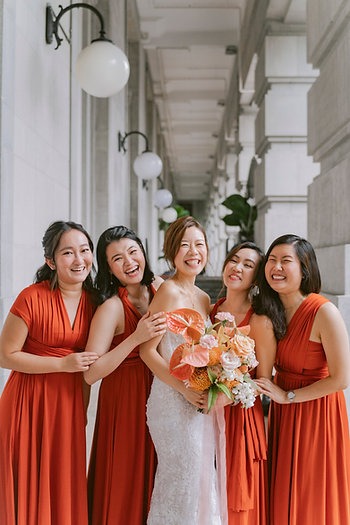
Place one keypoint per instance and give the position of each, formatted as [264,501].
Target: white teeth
[132,270]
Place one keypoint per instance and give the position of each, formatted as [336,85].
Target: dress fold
[42,419]
[309,442]
[123,460]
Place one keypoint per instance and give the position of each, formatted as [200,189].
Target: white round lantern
[169,215]
[148,165]
[163,198]
[102,69]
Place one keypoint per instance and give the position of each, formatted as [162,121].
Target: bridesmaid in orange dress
[42,413]
[309,446]
[246,466]
[123,461]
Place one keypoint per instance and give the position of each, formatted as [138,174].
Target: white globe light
[163,198]
[148,165]
[102,69]
[169,215]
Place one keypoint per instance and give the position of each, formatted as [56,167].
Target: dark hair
[268,301]
[50,243]
[235,249]
[174,234]
[106,283]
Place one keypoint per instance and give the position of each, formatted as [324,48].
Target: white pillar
[283,79]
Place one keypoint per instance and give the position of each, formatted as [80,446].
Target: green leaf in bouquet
[212,395]
[223,388]
[211,375]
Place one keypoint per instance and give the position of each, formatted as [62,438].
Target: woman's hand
[78,361]
[221,401]
[198,399]
[150,326]
[270,389]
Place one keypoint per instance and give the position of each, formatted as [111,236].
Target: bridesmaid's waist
[306,376]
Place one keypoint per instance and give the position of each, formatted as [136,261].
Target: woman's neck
[236,303]
[139,296]
[136,290]
[185,282]
[70,291]
[291,304]
[292,301]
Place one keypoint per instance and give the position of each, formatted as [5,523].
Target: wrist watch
[291,396]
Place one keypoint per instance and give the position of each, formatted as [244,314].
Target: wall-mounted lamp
[102,68]
[169,215]
[163,198]
[147,165]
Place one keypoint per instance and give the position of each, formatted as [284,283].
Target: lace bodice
[168,344]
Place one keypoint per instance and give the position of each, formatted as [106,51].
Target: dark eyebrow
[71,247]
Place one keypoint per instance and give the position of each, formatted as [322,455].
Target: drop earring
[253,292]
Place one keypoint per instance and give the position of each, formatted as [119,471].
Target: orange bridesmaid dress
[123,460]
[309,447]
[42,419]
[246,458]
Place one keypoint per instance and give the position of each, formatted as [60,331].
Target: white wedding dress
[186,483]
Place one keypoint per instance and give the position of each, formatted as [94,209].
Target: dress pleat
[309,442]
[123,461]
[246,458]
[42,420]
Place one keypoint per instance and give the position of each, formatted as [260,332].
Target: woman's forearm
[109,361]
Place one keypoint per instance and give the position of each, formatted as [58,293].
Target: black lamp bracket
[122,139]
[53,22]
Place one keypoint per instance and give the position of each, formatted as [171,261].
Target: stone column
[282,80]
[328,32]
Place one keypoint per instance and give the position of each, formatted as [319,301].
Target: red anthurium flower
[187,322]
[178,369]
[195,355]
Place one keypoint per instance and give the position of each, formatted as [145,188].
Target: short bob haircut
[268,301]
[106,283]
[174,235]
[311,278]
[50,243]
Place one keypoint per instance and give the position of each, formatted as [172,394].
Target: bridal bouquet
[217,358]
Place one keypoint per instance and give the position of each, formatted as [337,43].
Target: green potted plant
[243,215]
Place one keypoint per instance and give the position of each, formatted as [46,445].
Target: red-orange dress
[246,465]
[42,419]
[309,447]
[123,461]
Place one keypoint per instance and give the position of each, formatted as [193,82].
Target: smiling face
[283,269]
[192,255]
[240,270]
[73,258]
[126,261]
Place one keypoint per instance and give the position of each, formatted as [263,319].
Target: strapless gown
[186,483]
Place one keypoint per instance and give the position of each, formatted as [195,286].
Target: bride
[186,488]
